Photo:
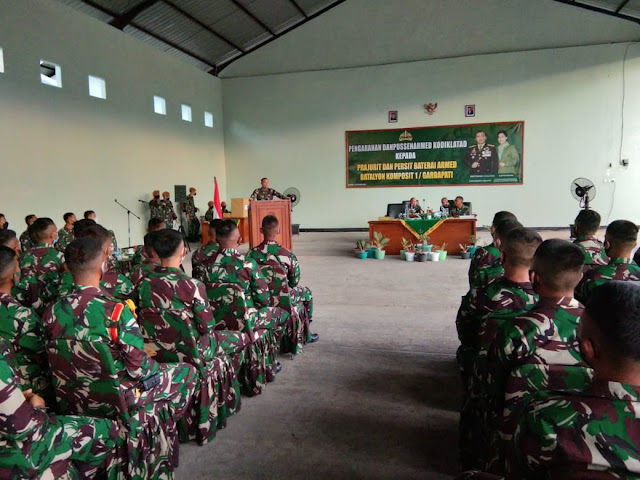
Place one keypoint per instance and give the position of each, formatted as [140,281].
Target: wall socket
[624,162]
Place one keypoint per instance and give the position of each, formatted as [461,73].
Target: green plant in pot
[464,251]
[425,242]
[421,255]
[379,243]
[362,247]
[443,252]
[472,245]
[409,250]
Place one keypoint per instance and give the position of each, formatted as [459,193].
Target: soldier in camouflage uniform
[140,254]
[175,316]
[619,242]
[269,250]
[9,239]
[21,328]
[204,256]
[490,254]
[458,209]
[43,265]
[264,192]
[593,432]
[208,216]
[147,265]
[90,315]
[112,261]
[168,214]
[190,210]
[25,240]
[65,234]
[586,226]
[155,205]
[490,307]
[37,445]
[546,335]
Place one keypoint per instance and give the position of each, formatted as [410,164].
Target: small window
[97,87]
[159,105]
[208,119]
[50,74]
[1,61]
[186,113]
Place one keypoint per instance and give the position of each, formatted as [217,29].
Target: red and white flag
[217,209]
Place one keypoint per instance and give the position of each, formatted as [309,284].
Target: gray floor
[376,398]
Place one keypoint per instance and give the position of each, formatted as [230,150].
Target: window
[159,105]
[186,113]
[50,74]
[208,119]
[97,87]
[1,61]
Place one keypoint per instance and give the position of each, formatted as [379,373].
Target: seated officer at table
[459,208]
[444,206]
[414,209]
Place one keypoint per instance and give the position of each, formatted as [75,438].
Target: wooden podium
[258,209]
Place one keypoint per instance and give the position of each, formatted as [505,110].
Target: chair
[395,209]
[174,337]
[86,383]
[230,311]
[281,297]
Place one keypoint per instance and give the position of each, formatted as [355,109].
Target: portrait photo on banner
[472,154]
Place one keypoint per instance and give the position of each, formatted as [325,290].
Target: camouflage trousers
[87,443]
[151,431]
[303,295]
[193,227]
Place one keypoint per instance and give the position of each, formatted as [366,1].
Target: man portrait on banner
[508,156]
[482,158]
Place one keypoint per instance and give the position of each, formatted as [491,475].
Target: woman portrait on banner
[508,156]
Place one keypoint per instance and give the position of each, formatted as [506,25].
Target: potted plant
[408,249]
[472,245]
[442,250]
[421,255]
[379,243]
[434,255]
[361,245]
[425,242]
[464,251]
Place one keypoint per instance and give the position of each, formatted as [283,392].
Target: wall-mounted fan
[584,191]
[294,194]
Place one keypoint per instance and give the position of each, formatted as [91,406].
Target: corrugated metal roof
[627,9]
[207,33]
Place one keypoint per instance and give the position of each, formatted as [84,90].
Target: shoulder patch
[117,311]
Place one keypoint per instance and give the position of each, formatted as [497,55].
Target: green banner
[474,154]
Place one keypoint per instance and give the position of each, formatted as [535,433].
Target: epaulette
[132,306]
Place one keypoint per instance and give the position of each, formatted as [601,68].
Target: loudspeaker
[180,193]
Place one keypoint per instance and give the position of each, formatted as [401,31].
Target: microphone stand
[129,213]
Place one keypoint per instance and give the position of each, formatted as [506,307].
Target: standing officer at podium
[265,193]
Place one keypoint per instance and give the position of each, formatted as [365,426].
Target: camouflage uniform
[113,283]
[485,266]
[545,336]
[25,241]
[175,316]
[37,445]
[21,328]
[262,322]
[594,254]
[203,258]
[42,267]
[190,211]
[208,216]
[94,343]
[112,261]
[139,256]
[266,194]
[456,212]
[168,214]
[65,237]
[156,208]
[617,269]
[140,271]
[481,310]
[587,434]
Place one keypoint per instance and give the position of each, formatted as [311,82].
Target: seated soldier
[150,261]
[490,254]
[25,240]
[229,266]
[9,239]
[181,302]
[43,265]
[619,242]
[38,445]
[489,307]
[444,206]
[488,273]
[112,282]
[208,216]
[459,208]
[586,226]
[21,328]
[593,432]
[112,260]
[155,224]
[269,249]
[65,234]
[414,209]
[91,314]
[204,256]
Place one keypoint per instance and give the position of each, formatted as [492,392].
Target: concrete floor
[376,398]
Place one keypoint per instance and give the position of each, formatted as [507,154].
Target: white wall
[291,128]
[65,151]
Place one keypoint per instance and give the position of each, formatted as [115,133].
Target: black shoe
[278,367]
[314,338]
